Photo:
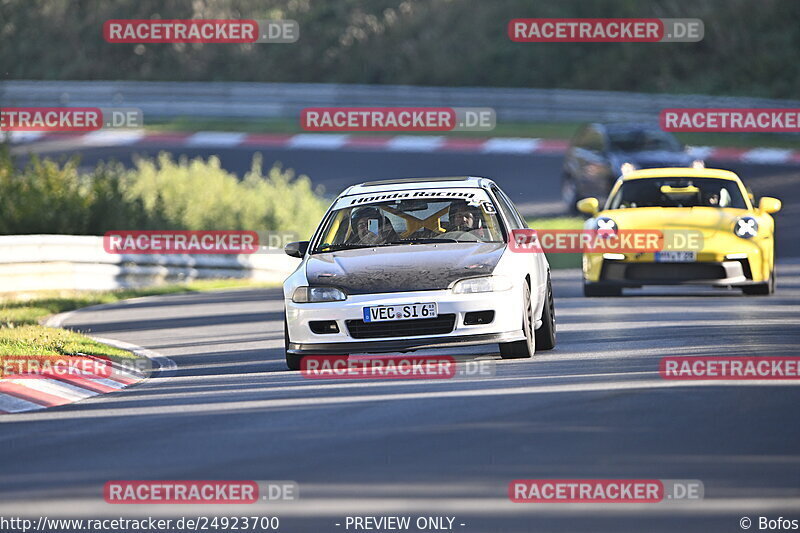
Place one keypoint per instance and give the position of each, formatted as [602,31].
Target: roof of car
[417,183]
[628,126]
[681,172]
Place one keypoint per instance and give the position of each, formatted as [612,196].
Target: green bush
[47,197]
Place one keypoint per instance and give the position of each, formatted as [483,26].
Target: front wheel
[761,289]
[524,348]
[546,334]
[569,194]
[293,361]
[598,289]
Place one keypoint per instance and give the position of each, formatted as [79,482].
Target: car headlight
[484,284]
[746,227]
[304,295]
[606,227]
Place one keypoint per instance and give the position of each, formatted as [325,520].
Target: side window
[517,217]
[594,140]
[579,141]
[509,213]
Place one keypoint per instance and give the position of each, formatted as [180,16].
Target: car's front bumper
[723,273]
[723,260]
[506,325]
[401,345]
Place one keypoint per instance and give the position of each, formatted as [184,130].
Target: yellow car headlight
[746,227]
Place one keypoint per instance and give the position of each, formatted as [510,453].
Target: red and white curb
[22,394]
[383,143]
[19,394]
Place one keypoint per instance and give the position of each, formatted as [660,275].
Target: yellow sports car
[712,234]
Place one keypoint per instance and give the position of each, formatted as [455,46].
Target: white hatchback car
[399,265]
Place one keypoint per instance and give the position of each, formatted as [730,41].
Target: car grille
[674,271]
[440,325]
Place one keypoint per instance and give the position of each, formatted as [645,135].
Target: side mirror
[296,249]
[769,204]
[590,206]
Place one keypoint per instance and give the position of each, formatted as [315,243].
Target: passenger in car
[370,226]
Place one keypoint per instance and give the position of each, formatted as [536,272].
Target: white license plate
[382,313]
[676,257]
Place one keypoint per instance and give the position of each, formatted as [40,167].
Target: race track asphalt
[595,407]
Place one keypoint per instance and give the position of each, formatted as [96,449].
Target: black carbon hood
[417,267]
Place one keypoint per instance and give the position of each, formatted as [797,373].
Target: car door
[573,159]
[535,264]
[592,158]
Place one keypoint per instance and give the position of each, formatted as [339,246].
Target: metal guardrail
[286,100]
[30,263]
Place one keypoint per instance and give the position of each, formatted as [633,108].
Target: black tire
[569,194]
[293,361]
[600,290]
[546,334]
[761,289]
[525,348]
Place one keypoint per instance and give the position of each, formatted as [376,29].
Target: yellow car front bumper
[723,260]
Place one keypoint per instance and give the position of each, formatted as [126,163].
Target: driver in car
[465,218]
[370,226]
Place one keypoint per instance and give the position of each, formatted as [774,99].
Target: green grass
[21,334]
[20,312]
[741,140]
[542,130]
[190,124]
[556,223]
[40,340]
[558,261]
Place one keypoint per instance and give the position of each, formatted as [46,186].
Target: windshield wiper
[431,240]
[337,247]
[353,246]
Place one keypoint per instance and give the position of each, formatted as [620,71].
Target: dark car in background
[600,152]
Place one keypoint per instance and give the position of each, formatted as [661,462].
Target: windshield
[435,218]
[642,141]
[677,192]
